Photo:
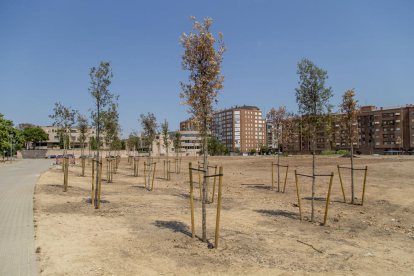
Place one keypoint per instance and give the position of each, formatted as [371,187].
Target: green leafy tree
[204,63]
[227,150]
[313,100]
[7,129]
[177,145]
[123,145]
[350,110]
[149,125]
[64,119]
[237,150]
[253,151]
[167,142]
[100,81]
[264,149]
[35,135]
[112,126]
[83,126]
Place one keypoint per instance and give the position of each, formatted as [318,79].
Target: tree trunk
[109,166]
[97,159]
[278,171]
[205,159]
[168,172]
[313,173]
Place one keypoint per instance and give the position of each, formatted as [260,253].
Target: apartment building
[190,144]
[187,125]
[74,134]
[240,128]
[385,130]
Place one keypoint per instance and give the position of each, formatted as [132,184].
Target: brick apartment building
[240,127]
[387,130]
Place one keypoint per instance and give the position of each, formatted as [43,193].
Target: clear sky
[48,47]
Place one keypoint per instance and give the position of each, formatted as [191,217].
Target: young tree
[112,126]
[167,142]
[313,101]
[350,110]
[177,146]
[253,151]
[64,119]
[83,126]
[204,63]
[150,127]
[282,131]
[100,80]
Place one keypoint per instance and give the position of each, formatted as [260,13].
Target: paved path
[17,243]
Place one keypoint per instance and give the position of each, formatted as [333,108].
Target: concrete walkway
[17,243]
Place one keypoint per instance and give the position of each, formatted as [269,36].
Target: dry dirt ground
[139,232]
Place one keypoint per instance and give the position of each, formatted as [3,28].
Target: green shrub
[343,152]
[328,152]
[285,155]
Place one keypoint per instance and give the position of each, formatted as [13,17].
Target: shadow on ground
[279,213]
[102,201]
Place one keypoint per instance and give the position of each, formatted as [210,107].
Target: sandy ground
[138,232]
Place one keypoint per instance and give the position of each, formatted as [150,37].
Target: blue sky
[48,48]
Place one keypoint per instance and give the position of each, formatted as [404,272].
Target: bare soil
[140,232]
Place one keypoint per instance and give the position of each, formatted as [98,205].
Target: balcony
[397,114]
[377,123]
[397,121]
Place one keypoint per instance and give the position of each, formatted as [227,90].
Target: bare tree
[350,110]
[282,131]
[100,80]
[313,101]
[150,131]
[204,63]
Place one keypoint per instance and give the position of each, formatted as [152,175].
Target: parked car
[50,156]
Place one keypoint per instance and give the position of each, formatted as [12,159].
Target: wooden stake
[169,170]
[67,174]
[99,181]
[112,169]
[93,185]
[191,200]
[287,169]
[145,174]
[153,176]
[342,185]
[365,182]
[199,181]
[179,169]
[297,190]
[164,169]
[216,241]
[327,200]
[214,185]
[272,176]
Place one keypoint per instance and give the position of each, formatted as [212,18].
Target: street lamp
[11,147]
